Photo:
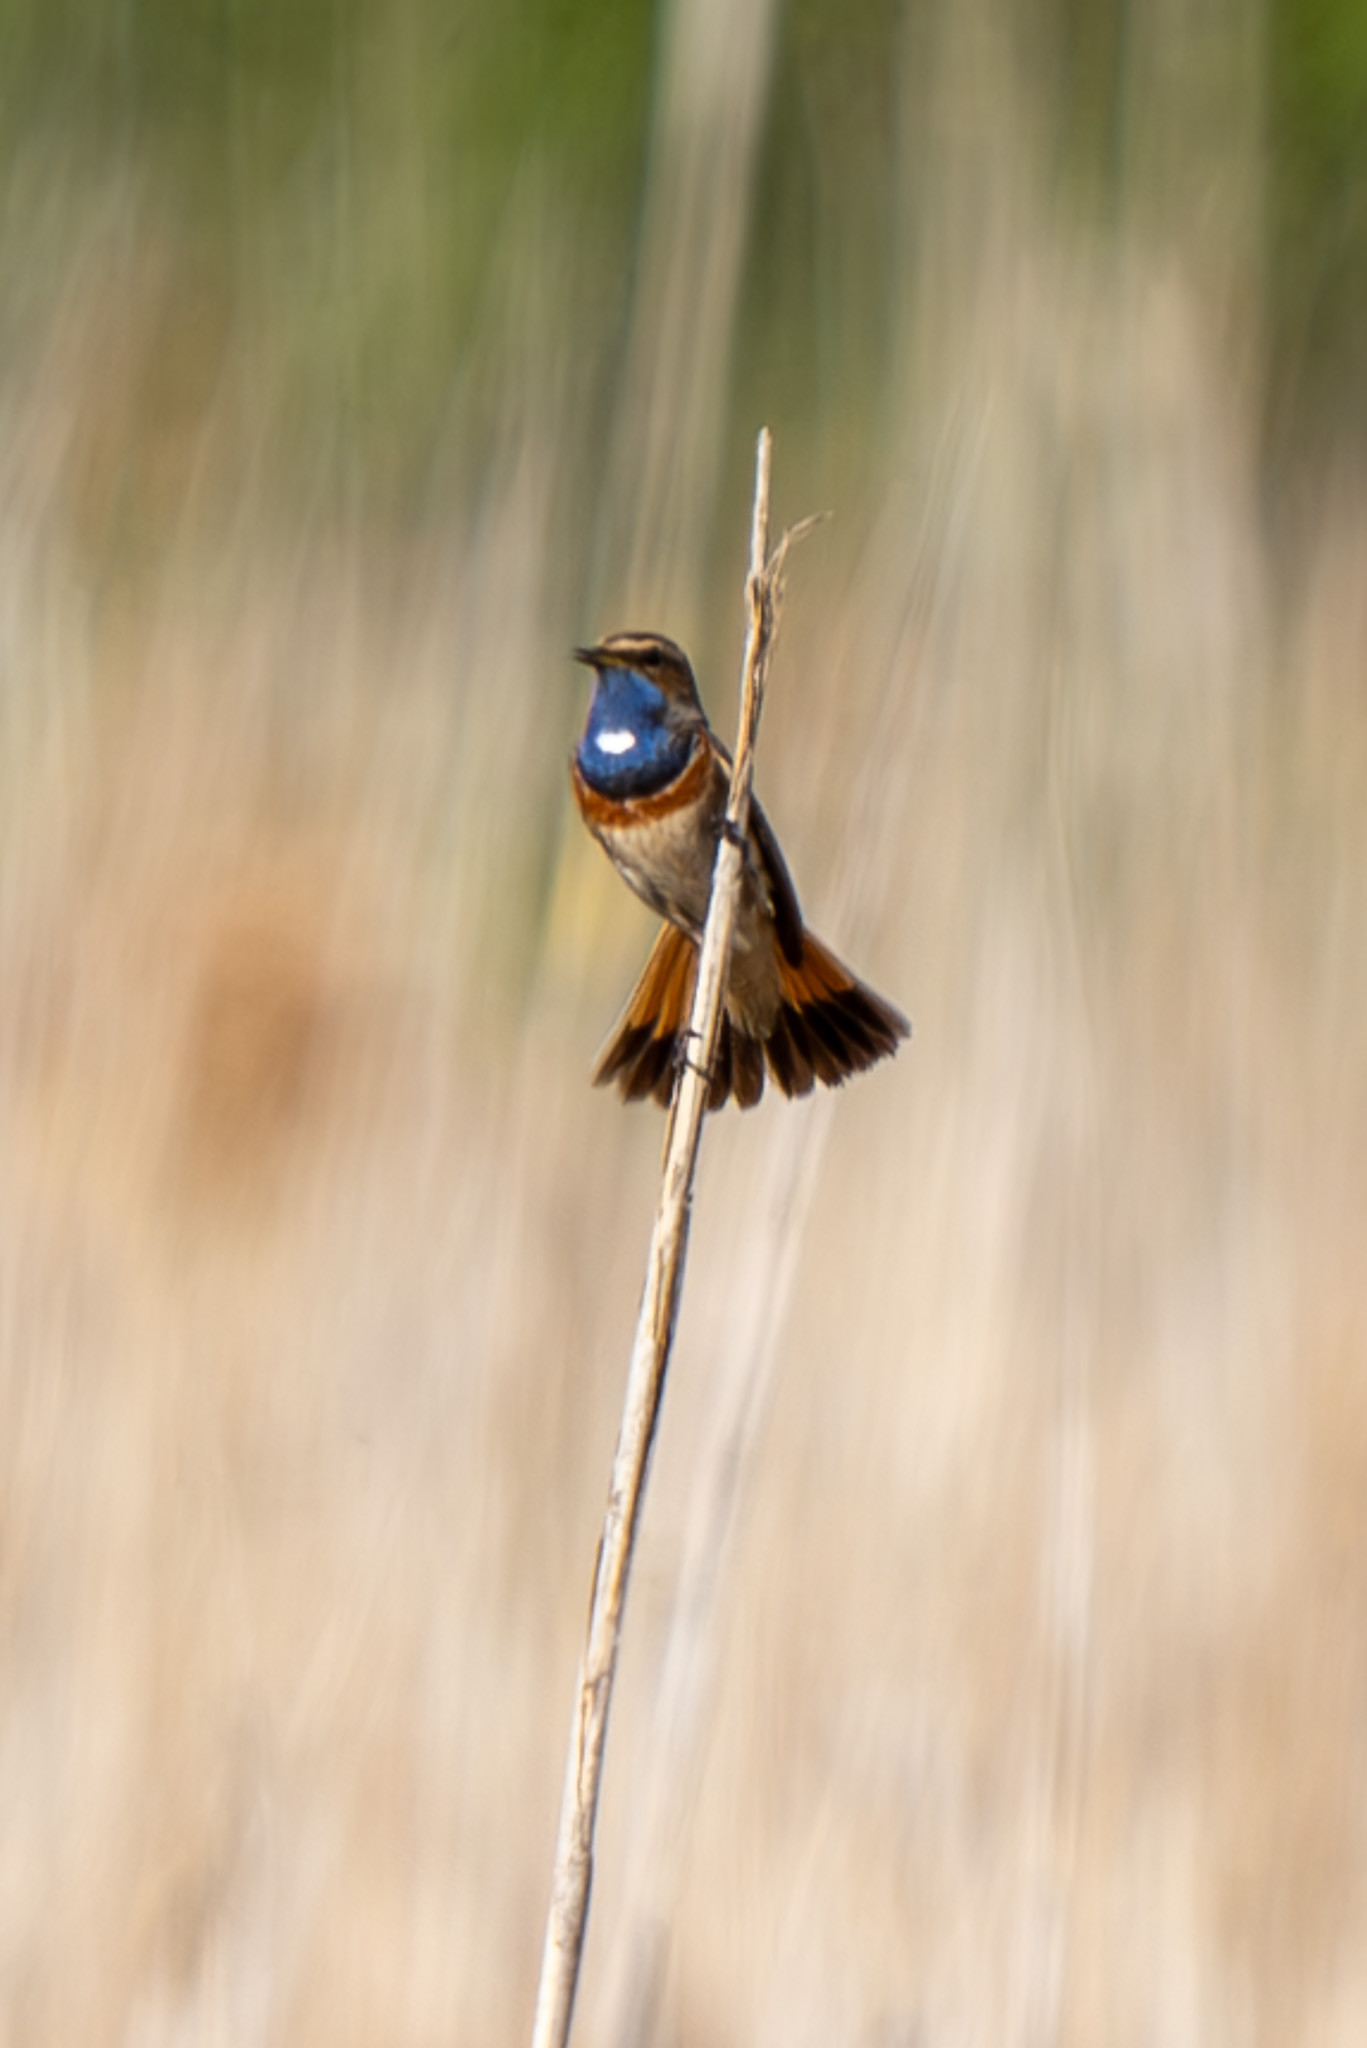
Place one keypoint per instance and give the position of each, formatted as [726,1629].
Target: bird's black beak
[590,656]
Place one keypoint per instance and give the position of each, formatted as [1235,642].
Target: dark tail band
[829,1025]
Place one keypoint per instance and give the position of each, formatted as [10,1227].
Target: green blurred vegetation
[354,181]
[1317,70]
[386,196]
[821,285]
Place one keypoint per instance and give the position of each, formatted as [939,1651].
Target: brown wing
[787,914]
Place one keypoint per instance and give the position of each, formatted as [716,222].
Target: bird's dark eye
[649,658]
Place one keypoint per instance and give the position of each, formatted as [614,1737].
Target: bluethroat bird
[651,779]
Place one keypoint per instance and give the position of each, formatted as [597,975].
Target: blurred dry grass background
[355,363]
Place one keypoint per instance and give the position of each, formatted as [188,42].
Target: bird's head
[645,716]
[650,660]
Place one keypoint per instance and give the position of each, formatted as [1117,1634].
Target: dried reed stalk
[568,1916]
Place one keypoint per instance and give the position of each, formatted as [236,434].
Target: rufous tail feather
[829,1025]
[640,1055]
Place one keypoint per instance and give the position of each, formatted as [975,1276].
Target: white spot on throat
[619,742]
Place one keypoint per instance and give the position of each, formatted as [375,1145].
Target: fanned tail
[647,1043]
[829,1025]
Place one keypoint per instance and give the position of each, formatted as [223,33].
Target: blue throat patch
[628,749]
